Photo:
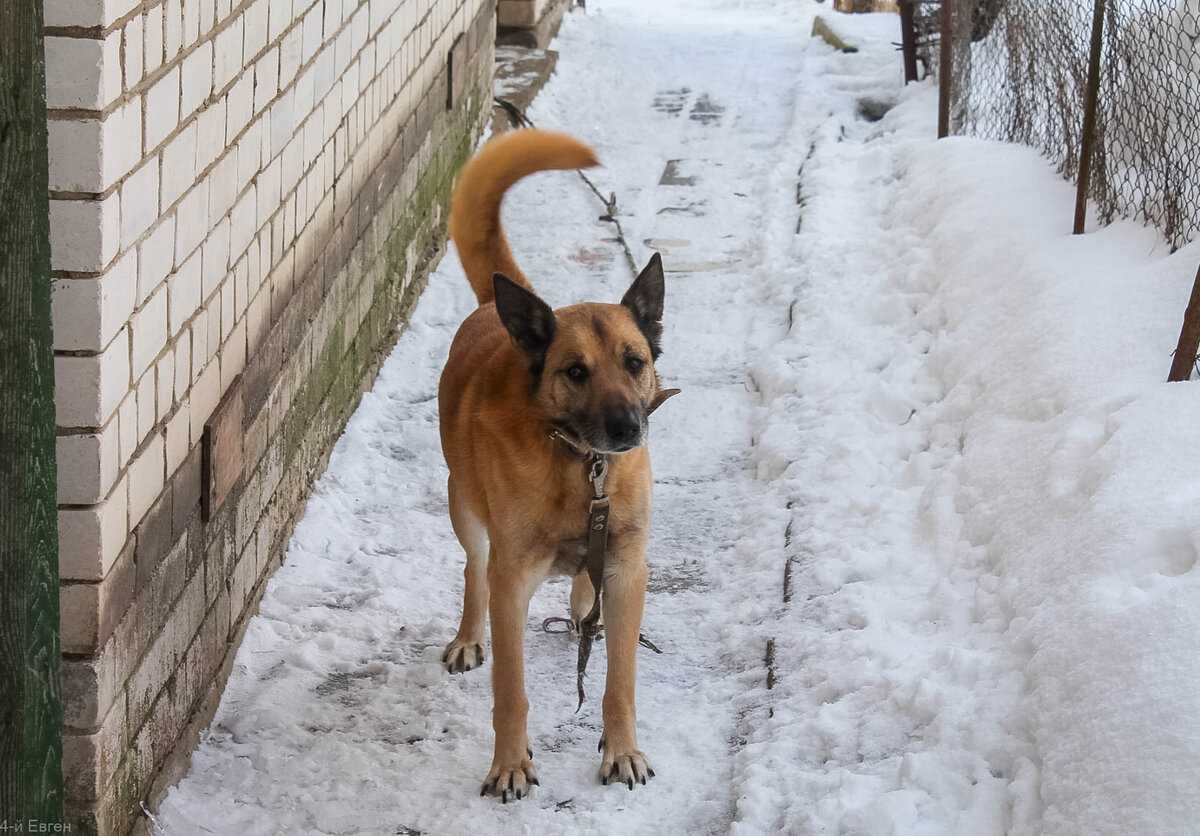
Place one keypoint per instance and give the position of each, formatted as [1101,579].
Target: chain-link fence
[1020,73]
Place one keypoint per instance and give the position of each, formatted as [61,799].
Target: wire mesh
[1020,74]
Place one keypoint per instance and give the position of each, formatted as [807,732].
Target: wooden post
[1091,101]
[1189,338]
[908,40]
[945,68]
[30,696]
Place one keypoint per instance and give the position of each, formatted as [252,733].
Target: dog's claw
[510,783]
[629,768]
[600,748]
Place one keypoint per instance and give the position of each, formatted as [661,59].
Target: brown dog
[527,393]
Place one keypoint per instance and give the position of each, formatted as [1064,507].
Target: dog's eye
[577,373]
[634,365]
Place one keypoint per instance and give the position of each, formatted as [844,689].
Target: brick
[266,79]
[183,365]
[227,59]
[147,414]
[249,151]
[239,108]
[164,384]
[139,196]
[91,538]
[90,760]
[88,313]
[279,18]
[191,220]
[183,294]
[155,537]
[258,319]
[313,38]
[223,186]
[284,122]
[133,49]
[196,79]
[148,332]
[88,690]
[255,17]
[178,436]
[241,287]
[84,233]
[290,49]
[200,353]
[243,222]
[206,393]
[191,22]
[146,475]
[162,108]
[83,72]
[153,38]
[210,142]
[216,259]
[89,611]
[88,389]
[267,190]
[156,257]
[233,355]
[127,427]
[179,165]
[208,15]
[90,155]
[172,29]
[87,465]
[185,490]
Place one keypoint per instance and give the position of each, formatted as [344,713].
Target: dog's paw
[510,781]
[462,656]
[626,768]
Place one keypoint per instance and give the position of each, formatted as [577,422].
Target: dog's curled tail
[475,208]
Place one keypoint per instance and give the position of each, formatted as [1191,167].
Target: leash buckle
[596,474]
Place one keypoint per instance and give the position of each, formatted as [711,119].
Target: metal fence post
[945,68]
[1091,101]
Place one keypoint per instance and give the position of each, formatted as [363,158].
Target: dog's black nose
[622,427]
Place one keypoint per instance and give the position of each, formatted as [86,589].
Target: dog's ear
[645,301]
[528,320]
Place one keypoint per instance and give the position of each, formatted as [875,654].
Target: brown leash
[597,550]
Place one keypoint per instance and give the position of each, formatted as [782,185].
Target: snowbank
[996,500]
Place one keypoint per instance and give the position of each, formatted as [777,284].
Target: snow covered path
[338,717]
[925,545]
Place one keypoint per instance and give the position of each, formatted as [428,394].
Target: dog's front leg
[510,587]
[622,602]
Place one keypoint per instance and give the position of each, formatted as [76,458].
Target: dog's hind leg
[466,651]
[583,595]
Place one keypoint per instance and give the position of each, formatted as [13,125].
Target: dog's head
[592,365]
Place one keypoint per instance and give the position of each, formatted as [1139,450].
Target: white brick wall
[194,151]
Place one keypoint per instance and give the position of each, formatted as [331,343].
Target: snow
[925,544]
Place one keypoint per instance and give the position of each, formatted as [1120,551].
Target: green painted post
[30,695]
